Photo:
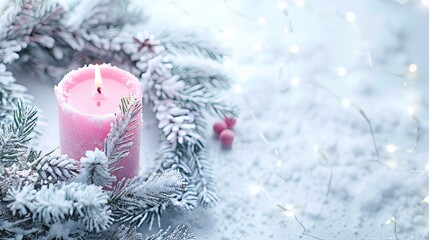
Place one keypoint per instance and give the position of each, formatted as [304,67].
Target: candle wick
[99,90]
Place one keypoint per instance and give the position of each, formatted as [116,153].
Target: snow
[363,193]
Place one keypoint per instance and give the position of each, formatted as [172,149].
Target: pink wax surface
[85,116]
[85,98]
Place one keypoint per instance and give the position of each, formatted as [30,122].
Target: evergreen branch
[12,176]
[194,165]
[55,168]
[10,93]
[15,136]
[95,169]
[201,73]
[10,228]
[126,233]
[221,109]
[132,200]
[180,233]
[102,15]
[177,123]
[25,119]
[200,98]
[53,204]
[203,178]
[191,44]
[121,132]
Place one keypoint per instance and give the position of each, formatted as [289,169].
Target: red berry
[226,137]
[219,126]
[230,122]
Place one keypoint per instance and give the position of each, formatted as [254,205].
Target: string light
[287,210]
[411,110]
[295,81]
[412,68]
[262,21]
[237,88]
[351,16]
[391,148]
[316,148]
[255,189]
[281,5]
[346,103]
[341,71]
[257,47]
[361,112]
[294,49]
[238,13]
[299,3]
[424,201]
[390,220]
[279,163]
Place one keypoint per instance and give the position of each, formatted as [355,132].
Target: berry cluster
[223,129]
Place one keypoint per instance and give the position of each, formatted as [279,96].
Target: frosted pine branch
[196,169]
[204,73]
[10,93]
[203,179]
[24,121]
[192,44]
[21,199]
[121,132]
[55,168]
[180,233]
[126,233]
[11,229]
[53,204]
[95,169]
[13,176]
[15,135]
[132,199]
[177,123]
[159,82]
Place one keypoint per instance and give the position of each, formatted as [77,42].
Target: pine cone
[58,167]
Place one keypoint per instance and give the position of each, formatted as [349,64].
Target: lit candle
[88,99]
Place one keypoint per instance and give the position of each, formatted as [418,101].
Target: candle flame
[98,82]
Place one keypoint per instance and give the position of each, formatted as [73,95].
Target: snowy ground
[348,195]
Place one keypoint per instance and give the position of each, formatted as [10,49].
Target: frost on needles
[45,196]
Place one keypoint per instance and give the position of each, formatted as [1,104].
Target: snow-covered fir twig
[53,168]
[10,92]
[95,169]
[180,233]
[133,200]
[121,132]
[97,165]
[14,136]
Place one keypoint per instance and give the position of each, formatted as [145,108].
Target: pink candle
[88,99]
